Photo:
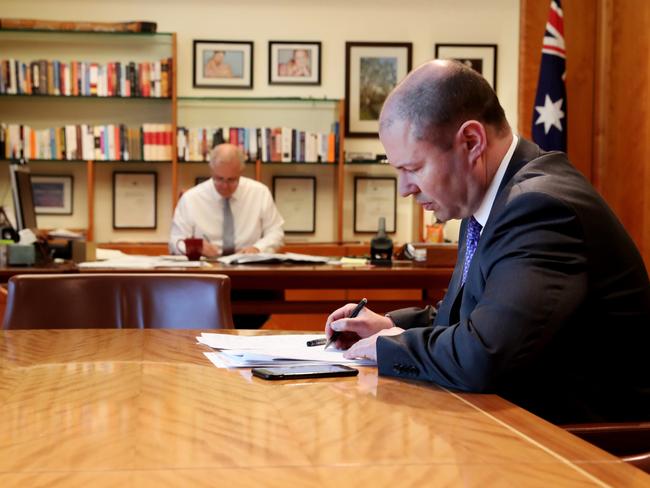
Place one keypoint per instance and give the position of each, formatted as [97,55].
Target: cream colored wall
[422,22]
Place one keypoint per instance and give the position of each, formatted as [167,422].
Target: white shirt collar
[483,212]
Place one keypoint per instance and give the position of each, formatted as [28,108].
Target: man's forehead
[226,167]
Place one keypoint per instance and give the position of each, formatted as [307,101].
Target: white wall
[422,22]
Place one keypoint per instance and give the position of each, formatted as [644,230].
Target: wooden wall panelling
[580,37]
[623,142]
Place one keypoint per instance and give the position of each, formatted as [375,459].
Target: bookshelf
[89,92]
[92,199]
[304,114]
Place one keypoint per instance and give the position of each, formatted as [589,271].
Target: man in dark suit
[549,303]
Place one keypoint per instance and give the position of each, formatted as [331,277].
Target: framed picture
[295,198]
[52,194]
[372,69]
[294,62]
[375,197]
[134,200]
[222,64]
[480,57]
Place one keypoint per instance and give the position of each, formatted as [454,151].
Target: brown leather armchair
[630,441]
[118,300]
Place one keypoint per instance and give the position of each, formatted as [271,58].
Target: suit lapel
[449,312]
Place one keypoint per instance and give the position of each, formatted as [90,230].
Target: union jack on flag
[550,114]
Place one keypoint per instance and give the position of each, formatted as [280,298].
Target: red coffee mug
[193,247]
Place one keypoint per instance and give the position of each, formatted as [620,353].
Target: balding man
[549,302]
[233,214]
[230,201]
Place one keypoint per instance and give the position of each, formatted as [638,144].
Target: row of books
[267,144]
[153,142]
[112,142]
[88,79]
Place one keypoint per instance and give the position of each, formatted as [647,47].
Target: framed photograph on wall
[480,57]
[372,69]
[53,194]
[222,64]
[294,62]
[375,197]
[295,198]
[134,199]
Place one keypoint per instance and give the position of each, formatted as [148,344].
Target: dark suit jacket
[555,312]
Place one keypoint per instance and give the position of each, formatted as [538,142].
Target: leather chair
[118,300]
[630,441]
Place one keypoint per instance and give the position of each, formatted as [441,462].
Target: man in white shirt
[200,211]
[231,213]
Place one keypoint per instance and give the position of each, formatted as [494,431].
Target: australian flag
[550,114]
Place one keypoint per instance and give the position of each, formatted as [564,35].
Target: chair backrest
[628,440]
[119,300]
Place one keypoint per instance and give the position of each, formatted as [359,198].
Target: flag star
[550,114]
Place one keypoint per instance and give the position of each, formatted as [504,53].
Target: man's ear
[471,135]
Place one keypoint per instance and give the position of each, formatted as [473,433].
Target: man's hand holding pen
[359,334]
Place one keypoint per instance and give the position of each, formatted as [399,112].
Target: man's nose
[407,187]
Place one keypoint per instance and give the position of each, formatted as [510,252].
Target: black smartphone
[297,372]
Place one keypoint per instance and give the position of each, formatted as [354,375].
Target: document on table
[127,261]
[269,258]
[271,350]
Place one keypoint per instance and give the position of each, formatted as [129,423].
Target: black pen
[316,342]
[354,313]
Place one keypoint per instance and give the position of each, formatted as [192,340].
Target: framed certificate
[134,200]
[374,197]
[52,194]
[295,197]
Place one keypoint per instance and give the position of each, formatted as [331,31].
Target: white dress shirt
[483,212]
[200,213]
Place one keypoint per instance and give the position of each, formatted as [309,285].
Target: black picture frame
[284,71]
[392,62]
[375,197]
[480,57]
[233,70]
[47,189]
[295,198]
[135,200]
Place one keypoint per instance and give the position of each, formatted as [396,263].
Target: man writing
[232,214]
[549,302]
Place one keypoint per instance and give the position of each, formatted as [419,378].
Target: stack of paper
[271,350]
[128,261]
[269,258]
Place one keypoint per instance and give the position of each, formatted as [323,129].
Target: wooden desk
[429,281]
[145,408]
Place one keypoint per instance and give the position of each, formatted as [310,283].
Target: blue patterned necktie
[228,229]
[473,233]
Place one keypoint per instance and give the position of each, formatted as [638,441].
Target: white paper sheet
[272,350]
[261,258]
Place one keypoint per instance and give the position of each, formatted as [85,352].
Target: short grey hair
[438,97]
[226,152]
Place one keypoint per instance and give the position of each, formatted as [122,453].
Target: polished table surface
[146,408]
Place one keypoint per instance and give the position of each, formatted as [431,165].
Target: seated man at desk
[232,214]
[549,302]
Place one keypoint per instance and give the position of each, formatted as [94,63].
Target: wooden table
[145,408]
